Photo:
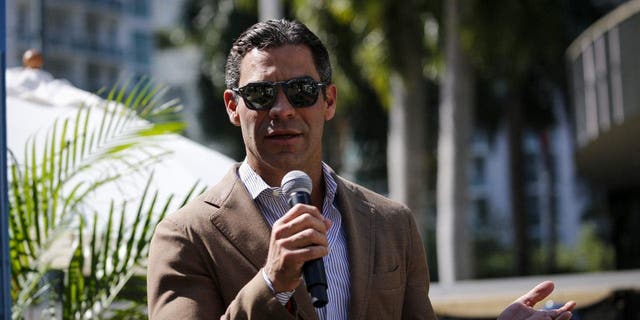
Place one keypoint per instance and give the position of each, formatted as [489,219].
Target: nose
[282,108]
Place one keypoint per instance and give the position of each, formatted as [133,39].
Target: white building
[178,67]
[605,73]
[545,195]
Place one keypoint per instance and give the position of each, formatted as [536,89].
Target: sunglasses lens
[302,92]
[259,95]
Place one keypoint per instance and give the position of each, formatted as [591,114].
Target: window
[477,171]
[532,211]
[60,68]
[530,167]
[481,212]
[22,27]
[141,47]
[532,206]
[92,38]
[94,77]
[112,75]
[140,7]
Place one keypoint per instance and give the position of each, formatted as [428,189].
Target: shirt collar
[256,185]
[252,181]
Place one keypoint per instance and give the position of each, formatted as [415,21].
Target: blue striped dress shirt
[273,205]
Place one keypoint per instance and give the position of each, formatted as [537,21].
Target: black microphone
[296,186]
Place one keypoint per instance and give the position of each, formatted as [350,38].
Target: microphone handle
[313,270]
[316,280]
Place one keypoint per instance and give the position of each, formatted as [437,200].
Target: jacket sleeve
[181,284]
[417,304]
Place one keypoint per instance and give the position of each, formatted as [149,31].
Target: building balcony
[605,77]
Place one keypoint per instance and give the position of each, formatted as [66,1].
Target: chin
[288,163]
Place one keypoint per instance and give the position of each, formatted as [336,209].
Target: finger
[565,316]
[290,261]
[536,294]
[540,317]
[284,226]
[298,224]
[308,253]
[568,306]
[545,314]
[299,209]
[562,313]
[304,238]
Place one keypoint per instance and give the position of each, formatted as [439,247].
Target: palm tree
[454,258]
[53,228]
[407,143]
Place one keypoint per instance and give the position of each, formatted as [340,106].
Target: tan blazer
[204,259]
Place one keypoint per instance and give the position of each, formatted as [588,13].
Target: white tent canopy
[35,99]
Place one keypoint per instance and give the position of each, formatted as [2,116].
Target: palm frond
[49,194]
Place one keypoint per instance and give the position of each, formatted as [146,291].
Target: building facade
[91,43]
[554,199]
[605,79]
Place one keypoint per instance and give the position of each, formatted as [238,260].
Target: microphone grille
[296,180]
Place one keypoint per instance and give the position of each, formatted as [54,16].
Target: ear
[231,104]
[330,99]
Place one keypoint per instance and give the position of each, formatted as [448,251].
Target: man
[237,250]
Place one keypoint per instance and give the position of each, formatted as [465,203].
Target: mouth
[283,135]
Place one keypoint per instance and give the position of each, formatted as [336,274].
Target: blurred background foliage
[516,53]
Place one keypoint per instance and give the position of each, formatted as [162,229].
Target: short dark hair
[274,34]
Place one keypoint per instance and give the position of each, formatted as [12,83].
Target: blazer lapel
[358,219]
[239,219]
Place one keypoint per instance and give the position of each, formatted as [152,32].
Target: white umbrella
[35,99]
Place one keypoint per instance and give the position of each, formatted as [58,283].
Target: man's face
[282,138]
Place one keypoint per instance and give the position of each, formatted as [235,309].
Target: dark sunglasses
[301,92]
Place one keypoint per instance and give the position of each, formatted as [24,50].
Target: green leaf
[164,128]
[49,196]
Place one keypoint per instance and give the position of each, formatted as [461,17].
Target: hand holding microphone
[296,185]
[299,241]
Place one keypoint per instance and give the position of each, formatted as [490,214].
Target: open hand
[522,308]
